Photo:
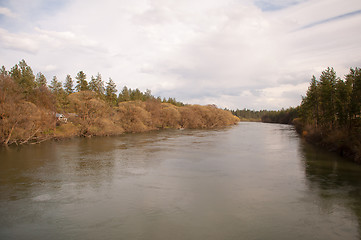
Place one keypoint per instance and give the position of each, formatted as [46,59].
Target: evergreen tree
[55,85]
[82,84]
[92,86]
[59,93]
[310,103]
[136,95]
[342,102]
[148,95]
[354,80]
[23,75]
[97,85]
[124,95]
[40,80]
[68,85]
[327,97]
[3,71]
[110,92]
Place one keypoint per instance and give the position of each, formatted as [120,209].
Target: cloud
[335,18]
[19,42]
[254,54]
[6,12]
[67,39]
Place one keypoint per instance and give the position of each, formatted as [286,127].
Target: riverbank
[341,141]
[32,111]
[88,116]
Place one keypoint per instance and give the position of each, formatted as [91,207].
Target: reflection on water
[335,181]
[251,181]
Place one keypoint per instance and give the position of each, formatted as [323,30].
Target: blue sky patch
[332,19]
[269,5]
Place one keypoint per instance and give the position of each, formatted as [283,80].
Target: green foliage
[55,85]
[330,112]
[327,99]
[68,85]
[310,104]
[248,115]
[23,75]
[82,84]
[40,80]
[354,80]
[96,85]
[283,116]
[124,95]
[3,71]
[333,102]
[110,92]
[173,101]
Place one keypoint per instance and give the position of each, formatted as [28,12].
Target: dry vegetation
[94,117]
[28,113]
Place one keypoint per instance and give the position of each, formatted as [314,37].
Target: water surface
[250,181]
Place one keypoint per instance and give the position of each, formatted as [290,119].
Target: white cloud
[19,42]
[232,53]
[50,68]
[7,12]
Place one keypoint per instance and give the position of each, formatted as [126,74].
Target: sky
[255,54]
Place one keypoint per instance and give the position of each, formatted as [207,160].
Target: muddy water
[250,181]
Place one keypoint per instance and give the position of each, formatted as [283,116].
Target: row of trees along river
[29,106]
[329,114]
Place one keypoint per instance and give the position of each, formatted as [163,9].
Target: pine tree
[82,84]
[136,95]
[40,80]
[97,85]
[23,75]
[124,95]
[68,85]
[327,97]
[110,92]
[55,85]
[310,103]
[148,95]
[3,71]
[342,101]
[354,80]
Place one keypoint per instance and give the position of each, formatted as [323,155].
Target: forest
[32,111]
[330,113]
[283,116]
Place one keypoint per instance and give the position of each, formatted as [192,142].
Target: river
[249,181]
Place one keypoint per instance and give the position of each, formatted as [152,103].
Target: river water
[249,181]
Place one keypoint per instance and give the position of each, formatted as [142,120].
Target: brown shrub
[154,107]
[89,109]
[66,130]
[196,116]
[170,116]
[133,117]
[21,121]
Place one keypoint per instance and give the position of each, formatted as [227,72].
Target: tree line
[333,103]
[28,107]
[283,116]
[330,113]
[248,115]
[23,75]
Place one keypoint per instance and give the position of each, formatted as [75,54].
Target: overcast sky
[256,54]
